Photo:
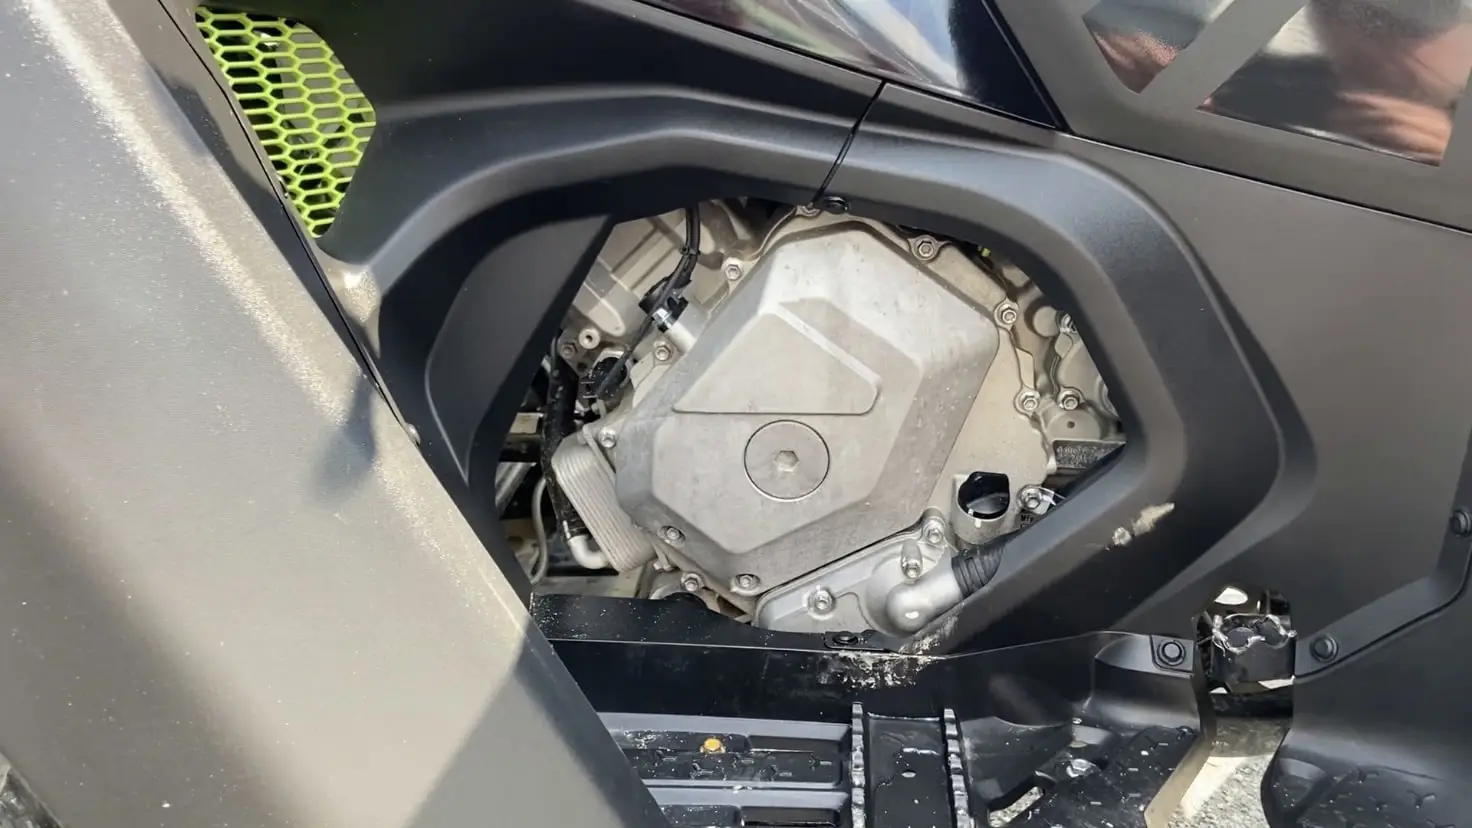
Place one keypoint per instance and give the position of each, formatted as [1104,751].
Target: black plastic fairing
[954,48]
[1362,112]
[1203,446]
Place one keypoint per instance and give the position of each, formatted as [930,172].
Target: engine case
[822,402]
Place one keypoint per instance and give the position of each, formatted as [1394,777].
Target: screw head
[924,247]
[1079,767]
[832,204]
[589,338]
[1461,523]
[663,352]
[1069,399]
[935,535]
[607,438]
[1006,314]
[1172,654]
[671,534]
[691,582]
[732,269]
[1324,648]
[821,600]
[746,582]
[568,350]
[845,638]
[1028,401]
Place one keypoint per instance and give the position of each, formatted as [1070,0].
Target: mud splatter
[871,671]
[1143,524]
[929,642]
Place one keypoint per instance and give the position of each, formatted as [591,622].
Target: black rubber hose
[557,423]
[975,566]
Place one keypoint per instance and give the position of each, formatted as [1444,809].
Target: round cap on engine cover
[786,460]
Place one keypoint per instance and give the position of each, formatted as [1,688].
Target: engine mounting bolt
[663,352]
[732,269]
[568,350]
[692,582]
[821,601]
[1079,767]
[1461,524]
[1069,399]
[1006,314]
[1027,402]
[924,247]
[1324,648]
[607,438]
[589,338]
[1065,324]
[671,534]
[746,582]
[935,535]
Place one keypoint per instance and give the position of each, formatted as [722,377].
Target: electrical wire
[676,282]
[544,552]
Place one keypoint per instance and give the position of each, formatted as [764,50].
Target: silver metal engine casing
[815,412]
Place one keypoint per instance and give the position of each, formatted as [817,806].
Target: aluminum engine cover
[813,415]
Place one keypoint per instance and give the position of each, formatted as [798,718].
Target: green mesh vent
[303,105]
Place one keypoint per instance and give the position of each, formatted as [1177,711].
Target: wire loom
[304,107]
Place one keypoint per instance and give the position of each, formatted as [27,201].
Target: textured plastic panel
[302,104]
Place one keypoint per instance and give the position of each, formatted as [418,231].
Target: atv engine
[824,410]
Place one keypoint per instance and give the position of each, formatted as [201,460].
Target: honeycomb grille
[301,102]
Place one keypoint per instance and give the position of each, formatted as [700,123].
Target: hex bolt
[608,438]
[1006,314]
[1028,401]
[821,601]
[663,352]
[1172,654]
[671,534]
[910,567]
[568,350]
[692,582]
[1324,648]
[924,247]
[1079,767]
[732,269]
[1031,498]
[935,534]
[1069,399]
[746,582]
[589,338]
[1461,524]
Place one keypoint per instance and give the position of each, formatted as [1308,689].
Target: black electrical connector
[669,288]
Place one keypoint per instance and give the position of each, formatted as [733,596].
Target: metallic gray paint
[232,592]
